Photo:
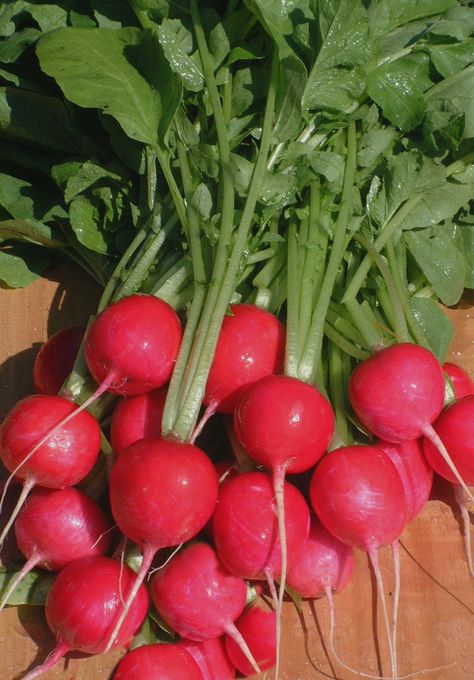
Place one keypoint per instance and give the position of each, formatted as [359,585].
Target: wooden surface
[436,626]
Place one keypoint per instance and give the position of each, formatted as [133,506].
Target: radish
[286,425]
[137,417]
[196,596]
[56,526]
[251,345]
[56,460]
[211,657]
[83,604]
[245,526]
[414,471]
[358,495]
[258,628]
[455,427]
[163,661]
[398,393]
[162,493]
[131,347]
[55,360]
[461,381]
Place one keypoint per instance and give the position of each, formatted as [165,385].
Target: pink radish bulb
[35,449]
[461,381]
[211,657]
[286,425]
[83,604]
[455,427]
[137,417]
[133,344]
[162,493]
[55,527]
[325,563]
[55,359]
[414,471]
[163,661]
[398,392]
[251,345]
[197,597]
[245,526]
[258,628]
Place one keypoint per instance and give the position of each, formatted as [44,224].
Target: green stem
[313,345]
[368,332]
[346,346]
[338,389]
[117,273]
[292,314]
[163,159]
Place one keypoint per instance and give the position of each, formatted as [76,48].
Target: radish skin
[163,661]
[55,359]
[137,417]
[258,628]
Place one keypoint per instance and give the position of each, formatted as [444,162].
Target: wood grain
[437,600]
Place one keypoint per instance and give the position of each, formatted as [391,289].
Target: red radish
[358,495]
[198,598]
[162,493]
[163,661]
[211,657]
[455,427]
[83,604]
[56,526]
[398,393]
[131,347]
[461,381]
[326,564]
[55,359]
[286,425]
[258,628]
[251,345]
[57,460]
[245,526]
[414,471]
[137,417]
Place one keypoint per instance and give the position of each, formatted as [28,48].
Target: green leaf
[94,68]
[438,204]
[467,231]
[437,327]
[449,59]
[14,46]
[373,144]
[20,265]
[48,16]
[443,129]
[31,231]
[398,87]
[19,198]
[385,15]
[455,94]
[201,202]
[84,218]
[177,44]
[439,260]
[32,589]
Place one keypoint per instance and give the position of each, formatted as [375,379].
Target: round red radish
[258,628]
[398,392]
[325,563]
[283,421]
[455,426]
[57,526]
[83,605]
[461,381]
[414,471]
[195,594]
[137,418]
[251,345]
[358,495]
[245,525]
[134,344]
[160,661]
[55,359]
[65,458]
[162,493]
[211,657]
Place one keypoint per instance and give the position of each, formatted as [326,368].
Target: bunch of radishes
[255,525]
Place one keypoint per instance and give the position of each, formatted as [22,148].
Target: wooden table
[436,626]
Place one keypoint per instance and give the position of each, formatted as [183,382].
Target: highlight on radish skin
[82,606]
[137,417]
[162,494]
[163,661]
[376,514]
[64,458]
[199,598]
[258,628]
[135,342]
[56,526]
